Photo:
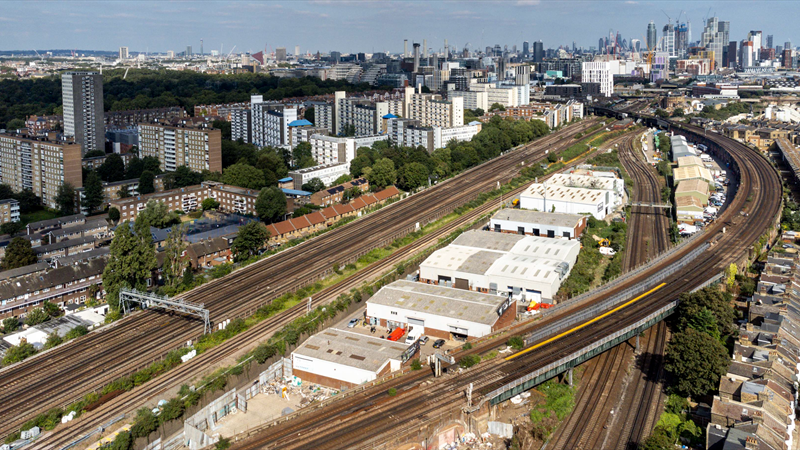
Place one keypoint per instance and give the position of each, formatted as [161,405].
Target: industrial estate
[430,247]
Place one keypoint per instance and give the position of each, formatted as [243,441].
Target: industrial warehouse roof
[539,217]
[688,202]
[441,301]
[351,349]
[691,172]
[582,181]
[541,269]
[566,194]
[695,185]
[532,246]
[686,161]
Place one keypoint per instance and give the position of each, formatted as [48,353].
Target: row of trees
[145,88]
[385,164]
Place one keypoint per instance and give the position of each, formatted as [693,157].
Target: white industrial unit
[538,223]
[615,186]
[528,267]
[438,311]
[571,200]
[339,358]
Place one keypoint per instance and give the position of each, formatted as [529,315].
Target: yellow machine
[602,242]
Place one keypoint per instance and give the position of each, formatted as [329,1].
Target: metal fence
[98,430]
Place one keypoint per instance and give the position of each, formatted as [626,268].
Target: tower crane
[229,53]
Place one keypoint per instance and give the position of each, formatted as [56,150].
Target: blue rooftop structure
[297,193]
[300,123]
[390,116]
[285,180]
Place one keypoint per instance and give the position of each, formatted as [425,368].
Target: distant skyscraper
[188,51]
[668,40]
[601,45]
[715,37]
[787,45]
[652,36]
[280,53]
[82,98]
[336,57]
[170,53]
[730,55]
[296,50]
[405,48]
[538,51]
[123,53]
[769,41]
[756,38]
[526,47]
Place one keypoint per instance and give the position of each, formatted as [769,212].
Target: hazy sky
[366,25]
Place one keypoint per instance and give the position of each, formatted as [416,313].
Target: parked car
[438,343]
[423,340]
[352,323]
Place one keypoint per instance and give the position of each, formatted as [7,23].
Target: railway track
[371,417]
[587,426]
[503,171]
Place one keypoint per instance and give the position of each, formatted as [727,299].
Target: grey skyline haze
[367,25]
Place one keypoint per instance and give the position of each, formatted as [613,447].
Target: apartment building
[39,165]
[431,110]
[599,72]
[508,95]
[472,99]
[232,199]
[302,131]
[198,148]
[270,122]
[82,96]
[241,124]
[133,117]
[409,133]
[9,211]
[327,173]
[331,149]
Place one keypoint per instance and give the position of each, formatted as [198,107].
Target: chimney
[425,48]
[416,57]
[405,48]
[751,443]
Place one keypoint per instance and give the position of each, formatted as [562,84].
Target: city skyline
[342,25]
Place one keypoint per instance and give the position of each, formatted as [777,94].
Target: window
[566,234]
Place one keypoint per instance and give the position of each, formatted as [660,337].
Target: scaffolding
[149,299]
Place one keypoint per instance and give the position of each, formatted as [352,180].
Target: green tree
[53,339]
[78,331]
[188,276]
[342,179]
[730,276]
[51,309]
[18,254]
[249,239]
[314,185]
[302,153]
[65,199]
[124,191]
[661,113]
[28,201]
[209,203]
[10,324]
[678,112]
[36,316]
[382,174]
[145,423]
[497,107]
[11,227]
[244,176]
[92,192]
[697,362]
[413,175]
[225,443]
[184,176]
[224,127]
[358,164]
[15,124]
[132,261]
[174,261]
[147,182]
[308,114]
[112,169]
[478,112]
[717,303]
[113,214]
[271,204]
[349,130]
[17,353]
[94,154]
[156,214]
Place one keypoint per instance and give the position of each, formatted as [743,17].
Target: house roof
[315,218]
[208,247]
[58,221]
[389,192]
[63,244]
[24,270]
[54,277]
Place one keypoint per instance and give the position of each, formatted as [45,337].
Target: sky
[364,25]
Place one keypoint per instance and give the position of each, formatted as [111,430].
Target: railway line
[201,364]
[371,417]
[599,403]
[117,350]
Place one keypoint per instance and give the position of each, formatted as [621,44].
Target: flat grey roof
[351,349]
[479,262]
[439,300]
[503,242]
[539,217]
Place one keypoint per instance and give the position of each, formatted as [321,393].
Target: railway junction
[420,410]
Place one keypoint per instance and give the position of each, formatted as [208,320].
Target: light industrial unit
[439,311]
[538,223]
[570,200]
[343,359]
[528,267]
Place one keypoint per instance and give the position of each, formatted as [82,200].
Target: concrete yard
[260,409]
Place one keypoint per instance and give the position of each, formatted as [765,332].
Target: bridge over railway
[371,419]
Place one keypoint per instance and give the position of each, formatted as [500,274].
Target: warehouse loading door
[533,296]
[418,325]
[462,283]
